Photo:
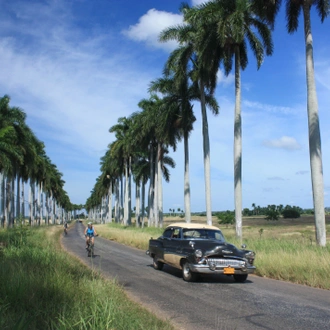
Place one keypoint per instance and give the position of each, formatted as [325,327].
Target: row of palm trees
[214,35]
[23,160]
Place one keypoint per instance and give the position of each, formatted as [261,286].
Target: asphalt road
[215,302]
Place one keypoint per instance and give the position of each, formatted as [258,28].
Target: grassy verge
[283,252]
[42,287]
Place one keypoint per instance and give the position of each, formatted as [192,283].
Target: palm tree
[141,171]
[22,157]
[159,132]
[123,146]
[293,9]
[12,131]
[189,52]
[231,25]
[178,96]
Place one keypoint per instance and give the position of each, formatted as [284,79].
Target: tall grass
[42,287]
[281,253]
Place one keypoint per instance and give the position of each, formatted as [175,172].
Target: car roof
[189,225]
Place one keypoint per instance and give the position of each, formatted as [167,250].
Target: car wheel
[187,274]
[158,265]
[240,278]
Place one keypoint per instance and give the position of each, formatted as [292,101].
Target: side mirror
[244,246]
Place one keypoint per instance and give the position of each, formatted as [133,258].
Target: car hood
[218,248]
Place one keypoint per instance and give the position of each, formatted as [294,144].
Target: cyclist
[65,226]
[90,233]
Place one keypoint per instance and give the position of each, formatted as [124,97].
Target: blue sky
[76,66]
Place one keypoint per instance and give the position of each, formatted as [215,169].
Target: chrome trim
[206,269]
[226,262]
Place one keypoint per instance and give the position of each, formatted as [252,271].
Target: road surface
[215,302]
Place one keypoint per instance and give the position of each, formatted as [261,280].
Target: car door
[172,246]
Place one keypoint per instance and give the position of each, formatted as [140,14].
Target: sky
[76,66]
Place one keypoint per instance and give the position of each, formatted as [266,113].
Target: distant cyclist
[90,233]
[65,226]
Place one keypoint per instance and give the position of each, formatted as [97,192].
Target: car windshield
[203,234]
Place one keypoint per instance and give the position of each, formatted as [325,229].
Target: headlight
[250,254]
[198,253]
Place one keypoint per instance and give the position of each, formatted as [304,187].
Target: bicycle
[65,232]
[90,247]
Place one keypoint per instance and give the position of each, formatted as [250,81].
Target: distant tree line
[269,212]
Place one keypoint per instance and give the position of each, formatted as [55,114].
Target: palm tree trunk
[129,195]
[42,203]
[207,160]
[137,204]
[102,209]
[23,202]
[110,203]
[30,205]
[12,202]
[238,149]
[7,203]
[2,199]
[121,199]
[117,208]
[126,194]
[18,197]
[47,209]
[52,201]
[54,210]
[39,204]
[156,190]
[143,193]
[186,179]
[151,189]
[160,193]
[315,151]
[32,201]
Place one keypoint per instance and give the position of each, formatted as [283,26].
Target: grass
[285,249]
[42,287]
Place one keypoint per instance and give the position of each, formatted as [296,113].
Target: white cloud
[198,2]
[149,27]
[276,178]
[222,79]
[268,108]
[285,142]
[302,172]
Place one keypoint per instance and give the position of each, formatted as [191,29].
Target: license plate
[229,270]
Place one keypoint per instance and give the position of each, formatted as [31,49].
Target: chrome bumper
[219,267]
[204,269]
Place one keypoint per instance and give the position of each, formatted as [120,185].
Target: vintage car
[200,249]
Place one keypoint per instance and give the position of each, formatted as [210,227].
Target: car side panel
[171,252]
[156,248]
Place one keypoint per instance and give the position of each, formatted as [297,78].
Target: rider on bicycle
[65,226]
[90,233]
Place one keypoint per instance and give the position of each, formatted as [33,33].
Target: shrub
[226,218]
[272,214]
[291,213]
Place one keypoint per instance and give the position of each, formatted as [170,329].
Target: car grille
[225,262]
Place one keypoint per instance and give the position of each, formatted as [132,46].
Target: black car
[200,249]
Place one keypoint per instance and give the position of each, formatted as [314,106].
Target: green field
[42,287]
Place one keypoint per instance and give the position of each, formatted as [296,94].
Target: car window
[168,233]
[176,233]
[172,233]
[203,234]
